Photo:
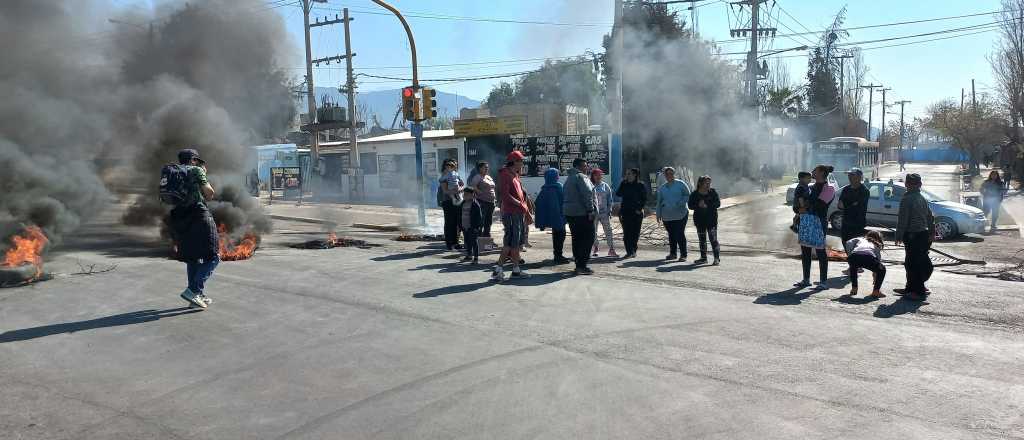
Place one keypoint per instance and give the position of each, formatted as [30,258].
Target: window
[875,191]
[368,162]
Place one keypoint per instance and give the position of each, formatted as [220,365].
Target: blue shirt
[672,199]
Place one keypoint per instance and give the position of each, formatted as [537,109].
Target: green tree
[571,81]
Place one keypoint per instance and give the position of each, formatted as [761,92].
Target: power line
[464,79]
[434,16]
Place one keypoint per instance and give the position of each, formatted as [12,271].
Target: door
[890,211]
[875,215]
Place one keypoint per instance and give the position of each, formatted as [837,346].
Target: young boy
[472,223]
[800,195]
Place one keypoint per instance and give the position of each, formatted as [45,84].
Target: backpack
[174,185]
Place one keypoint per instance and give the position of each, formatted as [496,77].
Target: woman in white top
[866,252]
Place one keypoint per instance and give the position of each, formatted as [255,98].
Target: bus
[844,153]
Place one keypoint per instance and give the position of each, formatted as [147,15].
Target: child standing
[800,195]
[603,194]
[472,223]
[549,213]
[705,202]
[865,252]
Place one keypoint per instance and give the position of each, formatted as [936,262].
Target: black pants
[805,259]
[703,234]
[558,243]
[848,234]
[452,216]
[583,230]
[631,224]
[472,247]
[918,265]
[868,262]
[676,236]
[487,210]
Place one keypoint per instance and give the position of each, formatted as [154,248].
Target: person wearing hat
[853,202]
[604,200]
[194,231]
[514,213]
[580,209]
[915,229]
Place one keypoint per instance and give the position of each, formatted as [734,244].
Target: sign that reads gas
[559,152]
[490,126]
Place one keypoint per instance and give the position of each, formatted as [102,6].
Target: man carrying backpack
[192,227]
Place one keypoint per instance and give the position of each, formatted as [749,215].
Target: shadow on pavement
[900,307]
[409,255]
[452,267]
[788,297]
[847,299]
[138,317]
[645,263]
[686,267]
[533,280]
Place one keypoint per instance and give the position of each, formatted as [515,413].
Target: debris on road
[420,237]
[333,241]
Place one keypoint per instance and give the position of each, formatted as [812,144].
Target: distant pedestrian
[903,164]
[193,229]
[672,212]
[631,211]
[549,213]
[472,222]
[580,211]
[451,187]
[916,230]
[514,214]
[813,224]
[992,192]
[866,252]
[705,203]
[603,195]
[764,176]
[482,182]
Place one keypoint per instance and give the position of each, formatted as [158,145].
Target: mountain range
[384,103]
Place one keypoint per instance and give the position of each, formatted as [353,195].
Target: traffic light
[411,104]
[429,104]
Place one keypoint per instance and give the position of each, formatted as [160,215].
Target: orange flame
[27,248]
[236,251]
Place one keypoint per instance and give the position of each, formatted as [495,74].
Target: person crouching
[865,252]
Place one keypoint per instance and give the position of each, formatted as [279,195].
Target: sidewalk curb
[302,219]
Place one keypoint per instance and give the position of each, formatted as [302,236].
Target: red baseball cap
[514,156]
[596,172]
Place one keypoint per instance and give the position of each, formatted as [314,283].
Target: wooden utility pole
[842,87]
[356,171]
[902,136]
[871,102]
[884,108]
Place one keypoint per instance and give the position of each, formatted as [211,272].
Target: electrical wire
[434,16]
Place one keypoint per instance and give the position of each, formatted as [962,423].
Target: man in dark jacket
[471,222]
[853,202]
[194,231]
[580,207]
[915,229]
[549,213]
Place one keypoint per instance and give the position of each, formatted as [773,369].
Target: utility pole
[752,56]
[314,146]
[615,143]
[871,102]
[842,87]
[884,109]
[902,105]
[963,94]
[356,173]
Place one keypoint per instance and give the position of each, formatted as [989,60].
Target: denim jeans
[199,271]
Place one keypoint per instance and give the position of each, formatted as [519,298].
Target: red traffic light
[408,92]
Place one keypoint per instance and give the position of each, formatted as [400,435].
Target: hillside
[384,103]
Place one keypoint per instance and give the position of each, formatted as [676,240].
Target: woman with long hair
[992,192]
[813,224]
[633,193]
[482,182]
[866,252]
[705,203]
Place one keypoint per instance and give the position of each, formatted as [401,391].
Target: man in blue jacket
[673,196]
[549,213]
[580,210]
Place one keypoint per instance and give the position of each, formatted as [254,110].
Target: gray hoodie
[579,195]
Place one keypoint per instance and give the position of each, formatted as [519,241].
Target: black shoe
[701,260]
[584,271]
[561,260]
[459,247]
[670,257]
[522,261]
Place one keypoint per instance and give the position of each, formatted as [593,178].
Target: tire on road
[945,228]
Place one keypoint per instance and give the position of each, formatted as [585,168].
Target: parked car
[951,218]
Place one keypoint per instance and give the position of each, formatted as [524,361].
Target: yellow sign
[489,126]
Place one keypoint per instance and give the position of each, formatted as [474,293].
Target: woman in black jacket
[631,212]
[705,203]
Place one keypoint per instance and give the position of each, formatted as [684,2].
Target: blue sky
[922,73]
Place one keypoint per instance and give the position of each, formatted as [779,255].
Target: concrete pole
[752,56]
[314,147]
[615,143]
[356,173]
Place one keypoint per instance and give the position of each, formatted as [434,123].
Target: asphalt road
[399,341]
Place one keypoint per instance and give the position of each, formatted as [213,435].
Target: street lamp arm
[412,42]
[791,49]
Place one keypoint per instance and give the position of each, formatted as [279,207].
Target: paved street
[399,341]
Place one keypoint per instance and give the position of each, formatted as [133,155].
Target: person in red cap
[514,213]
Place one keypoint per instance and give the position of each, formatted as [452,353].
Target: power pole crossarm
[871,102]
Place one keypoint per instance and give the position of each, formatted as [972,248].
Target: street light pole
[416,126]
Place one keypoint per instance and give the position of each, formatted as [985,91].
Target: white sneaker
[205,299]
[498,275]
[193,299]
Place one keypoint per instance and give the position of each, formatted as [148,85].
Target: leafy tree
[571,81]
[971,128]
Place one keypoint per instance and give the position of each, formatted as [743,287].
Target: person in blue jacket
[673,196]
[549,213]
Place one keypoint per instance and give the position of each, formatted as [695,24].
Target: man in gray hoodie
[580,208]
